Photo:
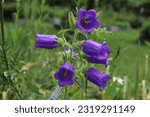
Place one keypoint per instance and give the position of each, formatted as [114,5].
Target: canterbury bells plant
[84,52]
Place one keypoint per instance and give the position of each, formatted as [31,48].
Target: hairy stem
[66,90]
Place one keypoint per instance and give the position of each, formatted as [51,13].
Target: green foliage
[145,33]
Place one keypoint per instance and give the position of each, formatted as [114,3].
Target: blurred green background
[32,70]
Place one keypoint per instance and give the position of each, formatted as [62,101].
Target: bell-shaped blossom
[65,75]
[96,53]
[87,20]
[46,41]
[98,60]
[91,48]
[96,77]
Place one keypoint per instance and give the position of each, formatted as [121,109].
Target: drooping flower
[98,60]
[102,57]
[46,41]
[96,77]
[96,53]
[87,20]
[65,75]
[91,48]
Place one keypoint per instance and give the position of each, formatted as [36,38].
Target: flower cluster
[95,52]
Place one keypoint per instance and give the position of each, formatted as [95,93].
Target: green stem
[3,37]
[5,85]
[66,93]
[17,91]
[137,72]
[86,85]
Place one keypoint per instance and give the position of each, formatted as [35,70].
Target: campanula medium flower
[65,75]
[87,20]
[91,48]
[98,60]
[46,41]
[102,57]
[96,77]
[96,53]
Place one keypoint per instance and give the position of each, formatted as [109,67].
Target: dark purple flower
[102,57]
[96,77]
[91,48]
[87,20]
[65,74]
[98,60]
[96,53]
[46,41]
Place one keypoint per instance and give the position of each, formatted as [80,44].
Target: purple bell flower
[98,60]
[65,74]
[96,53]
[91,48]
[46,41]
[87,20]
[102,57]
[98,78]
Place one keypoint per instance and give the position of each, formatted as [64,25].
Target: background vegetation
[31,71]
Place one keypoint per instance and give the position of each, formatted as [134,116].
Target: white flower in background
[118,79]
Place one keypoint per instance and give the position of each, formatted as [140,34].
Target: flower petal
[96,23]
[92,12]
[81,13]
[65,75]
[46,41]
[91,48]
[96,77]
[97,60]
[88,31]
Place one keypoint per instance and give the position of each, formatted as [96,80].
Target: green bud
[71,20]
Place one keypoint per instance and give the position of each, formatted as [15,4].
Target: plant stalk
[137,72]
[3,36]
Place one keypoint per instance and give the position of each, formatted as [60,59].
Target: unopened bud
[71,20]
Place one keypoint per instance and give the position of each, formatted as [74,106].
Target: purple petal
[97,60]
[98,78]
[81,13]
[88,31]
[91,48]
[92,12]
[79,25]
[46,41]
[96,23]
[65,75]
